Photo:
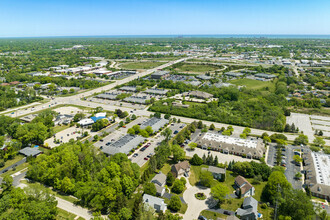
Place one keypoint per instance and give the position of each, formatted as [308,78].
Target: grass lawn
[62,214]
[11,162]
[254,84]
[57,129]
[195,172]
[196,68]
[18,168]
[56,193]
[232,204]
[266,213]
[212,215]
[140,65]
[166,168]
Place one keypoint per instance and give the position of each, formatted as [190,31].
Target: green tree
[170,179]
[167,134]
[206,178]
[276,186]
[192,145]
[301,139]
[178,153]
[175,203]
[150,188]
[318,141]
[178,186]
[149,130]
[219,192]
[196,160]
[212,127]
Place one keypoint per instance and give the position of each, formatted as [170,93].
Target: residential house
[249,210]
[243,186]
[181,168]
[217,172]
[156,203]
[159,179]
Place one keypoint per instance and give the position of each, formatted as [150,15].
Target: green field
[196,68]
[140,65]
[254,84]
[212,215]
[64,215]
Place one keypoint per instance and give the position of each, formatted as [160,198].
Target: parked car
[108,143]
[146,158]
[175,132]
[101,140]
[135,155]
[202,217]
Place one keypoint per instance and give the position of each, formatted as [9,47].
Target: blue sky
[25,18]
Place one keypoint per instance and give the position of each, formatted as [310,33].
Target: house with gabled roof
[244,187]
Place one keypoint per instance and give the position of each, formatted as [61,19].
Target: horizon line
[173,35]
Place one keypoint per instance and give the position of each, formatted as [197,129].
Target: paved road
[17,177]
[13,165]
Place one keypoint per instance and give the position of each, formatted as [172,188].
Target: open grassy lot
[195,172]
[64,215]
[140,65]
[196,68]
[13,161]
[59,128]
[212,215]
[254,84]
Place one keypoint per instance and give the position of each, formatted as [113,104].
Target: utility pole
[275,212]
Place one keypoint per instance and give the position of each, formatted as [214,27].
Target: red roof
[14,83]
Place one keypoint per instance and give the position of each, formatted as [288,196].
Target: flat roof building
[161,74]
[156,91]
[138,99]
[251,148]
[265,76]
[109,95]
[129,88]
[30,151]
[154,123]
[234,74]
[199,94]
[124,144]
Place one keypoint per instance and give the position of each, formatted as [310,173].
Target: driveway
[195,206]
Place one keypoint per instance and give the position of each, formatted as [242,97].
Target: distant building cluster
[251,148]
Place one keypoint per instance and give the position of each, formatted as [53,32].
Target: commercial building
[198,94]
[265,76]
[109,95]
[86,122]
[204,77]
[138,99]
[155,91]
[161,74]
[234,74]
[129,88]
[317,174]
[123,145]
[250,148]
[155,123]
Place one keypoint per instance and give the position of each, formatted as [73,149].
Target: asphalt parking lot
[271,159]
